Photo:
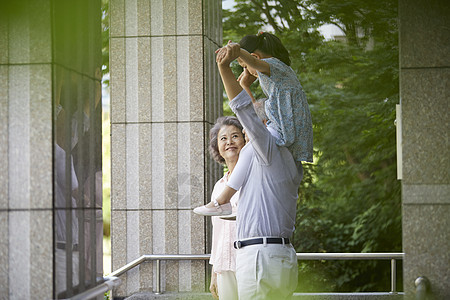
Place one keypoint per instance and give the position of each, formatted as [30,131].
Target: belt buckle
[237,244]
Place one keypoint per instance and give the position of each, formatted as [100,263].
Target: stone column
[424,86]
[165,94]
[26,250]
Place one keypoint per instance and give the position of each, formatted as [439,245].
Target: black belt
[257,241]
[62,246]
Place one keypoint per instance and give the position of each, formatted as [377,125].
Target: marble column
[425,94]
[26,152]
[165,94]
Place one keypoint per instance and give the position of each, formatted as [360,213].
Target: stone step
[169,296]
[300,296]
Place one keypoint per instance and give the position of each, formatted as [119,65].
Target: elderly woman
[226,141]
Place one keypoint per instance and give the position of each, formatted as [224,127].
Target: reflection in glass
[78,183]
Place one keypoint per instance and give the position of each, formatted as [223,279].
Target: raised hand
[234,49]
[228,53]
[220,55]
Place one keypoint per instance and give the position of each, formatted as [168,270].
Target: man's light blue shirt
[268,196]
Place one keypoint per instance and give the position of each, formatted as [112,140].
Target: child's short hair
[266,43]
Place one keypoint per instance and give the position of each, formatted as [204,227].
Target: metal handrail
[349,256]
[109,283]
[422,287]
[359,256]
[300,256]
[157,257]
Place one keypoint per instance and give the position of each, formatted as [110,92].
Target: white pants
[61,269]
[227,285]
[266,271]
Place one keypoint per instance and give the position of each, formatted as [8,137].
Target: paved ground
[300,296]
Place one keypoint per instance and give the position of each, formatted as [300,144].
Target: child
[263,56]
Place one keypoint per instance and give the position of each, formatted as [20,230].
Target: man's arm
[241,104]
[224,57]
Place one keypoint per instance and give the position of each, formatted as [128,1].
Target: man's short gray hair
[259,106]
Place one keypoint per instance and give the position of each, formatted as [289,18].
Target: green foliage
[106,126]
[105,39]
[106,172]
[349,200]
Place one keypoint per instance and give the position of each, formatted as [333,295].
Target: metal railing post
[158,277]
[393,276]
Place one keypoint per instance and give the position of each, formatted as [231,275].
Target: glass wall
[78,227]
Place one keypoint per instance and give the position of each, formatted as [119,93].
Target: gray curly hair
[213,145]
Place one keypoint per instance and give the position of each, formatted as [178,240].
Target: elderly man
[266,263]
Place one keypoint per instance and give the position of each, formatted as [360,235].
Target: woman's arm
[226,195]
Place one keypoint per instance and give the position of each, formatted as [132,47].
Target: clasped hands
[226,55]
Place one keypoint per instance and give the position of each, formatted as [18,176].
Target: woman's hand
[246,79]
[213,286]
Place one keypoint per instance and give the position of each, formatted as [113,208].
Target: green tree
[105,40]
[106,139]
[350,198]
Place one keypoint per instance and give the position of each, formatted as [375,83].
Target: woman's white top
[223,254]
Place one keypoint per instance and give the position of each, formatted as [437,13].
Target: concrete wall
[165,94]
[425,94]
